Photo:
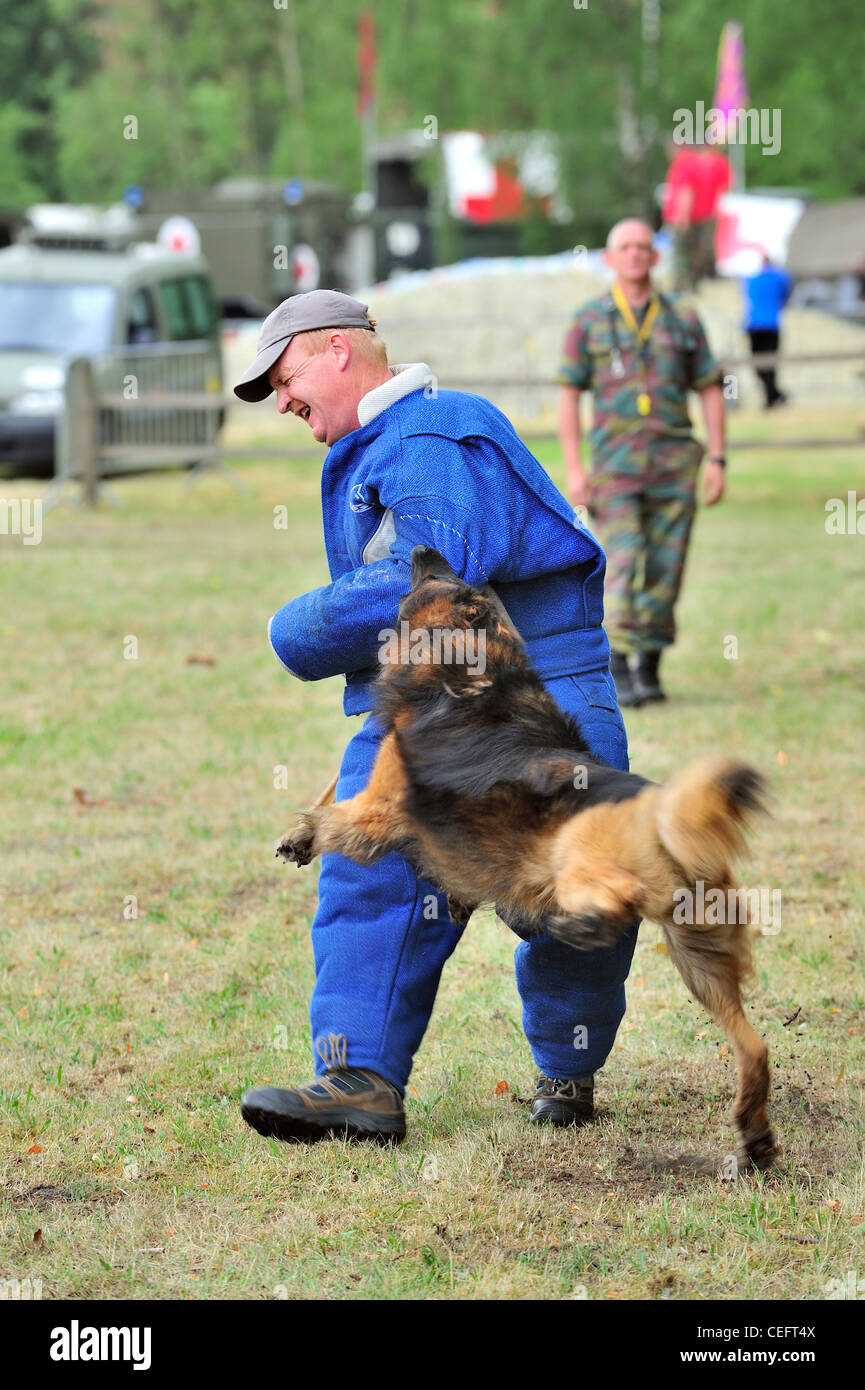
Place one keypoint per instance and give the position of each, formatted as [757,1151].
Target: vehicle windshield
[55,317]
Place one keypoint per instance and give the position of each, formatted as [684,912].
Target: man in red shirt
[696,179]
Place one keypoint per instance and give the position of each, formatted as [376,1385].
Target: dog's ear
[475,611]
[550,773]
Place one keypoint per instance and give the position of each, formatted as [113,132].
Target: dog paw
[759,1150]
[298,846]
[589,930]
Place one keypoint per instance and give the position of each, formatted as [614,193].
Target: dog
[488,788]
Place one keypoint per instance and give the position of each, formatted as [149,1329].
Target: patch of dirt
[815,1164]
[660,1163]
[630,1180]
[100,1076]
[44,1197]
[793,1099]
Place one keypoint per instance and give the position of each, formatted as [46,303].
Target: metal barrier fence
[135,409]
[513,358]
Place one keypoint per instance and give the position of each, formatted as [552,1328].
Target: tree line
[268,87]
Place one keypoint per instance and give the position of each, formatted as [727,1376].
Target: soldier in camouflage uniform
[640,353]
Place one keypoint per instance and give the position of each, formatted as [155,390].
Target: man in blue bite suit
[411,465]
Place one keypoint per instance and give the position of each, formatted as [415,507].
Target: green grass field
[127,1041]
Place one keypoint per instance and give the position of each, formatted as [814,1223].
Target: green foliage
[47,46]
[18,188]
[271,88]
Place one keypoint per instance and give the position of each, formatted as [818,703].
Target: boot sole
[329,1124]
[559,1115]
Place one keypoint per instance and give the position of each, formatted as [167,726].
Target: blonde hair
[367,345]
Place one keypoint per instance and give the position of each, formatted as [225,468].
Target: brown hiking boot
[346,1103]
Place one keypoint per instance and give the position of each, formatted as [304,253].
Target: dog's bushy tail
[703,813]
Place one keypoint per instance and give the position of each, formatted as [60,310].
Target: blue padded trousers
[381,936]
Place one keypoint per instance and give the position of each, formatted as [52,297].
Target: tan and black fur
[487,787]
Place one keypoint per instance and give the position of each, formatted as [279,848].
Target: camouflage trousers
[644,526]
[693,255]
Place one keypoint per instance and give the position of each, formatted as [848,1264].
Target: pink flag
[731,89]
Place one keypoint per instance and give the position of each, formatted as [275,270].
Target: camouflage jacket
[676,359]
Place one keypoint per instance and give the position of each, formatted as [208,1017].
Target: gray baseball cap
[301,314]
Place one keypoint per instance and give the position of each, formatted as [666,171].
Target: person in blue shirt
[409,464]
[766,294]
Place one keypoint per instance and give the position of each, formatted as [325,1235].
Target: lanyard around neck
[641,331]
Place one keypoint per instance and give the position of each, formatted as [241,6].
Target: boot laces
[333,1049]
[556,1086]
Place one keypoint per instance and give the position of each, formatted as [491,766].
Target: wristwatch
[718,458]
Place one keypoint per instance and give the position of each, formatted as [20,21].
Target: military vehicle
[456,195]
[79,286]
[264,239]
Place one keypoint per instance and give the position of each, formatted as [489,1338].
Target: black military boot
[345,1103]
[559,1102]
[646,682]
[626,690]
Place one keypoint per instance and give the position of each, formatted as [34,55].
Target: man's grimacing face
[314,388]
